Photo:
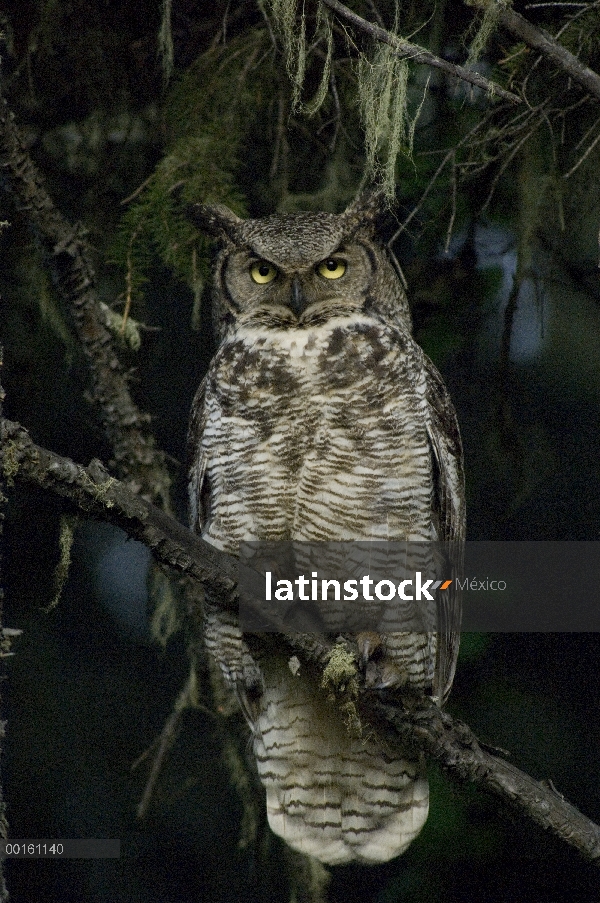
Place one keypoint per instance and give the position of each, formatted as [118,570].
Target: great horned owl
[321,419]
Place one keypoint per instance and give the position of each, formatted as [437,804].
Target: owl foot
[381,673]
[385,675]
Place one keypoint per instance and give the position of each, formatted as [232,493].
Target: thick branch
[415,722]
[541,40]
[137,458]
[94,492]
[454,746]
[403,48]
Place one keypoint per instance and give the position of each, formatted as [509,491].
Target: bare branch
[452,743]
[416,721]
[453,210]
[404,49]
[541,40]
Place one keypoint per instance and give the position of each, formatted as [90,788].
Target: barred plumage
[321,419]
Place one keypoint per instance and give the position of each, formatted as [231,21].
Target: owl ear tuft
[214,219]
[366,209]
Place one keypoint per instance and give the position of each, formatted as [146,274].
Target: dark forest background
[129,108]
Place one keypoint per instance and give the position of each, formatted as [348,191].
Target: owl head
[296,270]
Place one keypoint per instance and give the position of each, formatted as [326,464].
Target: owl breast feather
[317,434]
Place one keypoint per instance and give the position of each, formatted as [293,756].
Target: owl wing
[222,634]
[196,462]
[449,506]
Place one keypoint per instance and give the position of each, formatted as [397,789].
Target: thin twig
[583,157]
[261,7]
[129,279]
[138,191]
[224,26]
[508,160]
[587,134]
[574,18]
[403,226]
[280,137]
[338,111]
[453,210]
[164,742]
[542,5]
[404,49]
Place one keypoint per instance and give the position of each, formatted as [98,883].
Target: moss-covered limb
[137,458]
[539,39]
[412,721]
[93,492]
[405,49]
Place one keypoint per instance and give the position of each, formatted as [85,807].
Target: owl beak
[299,303]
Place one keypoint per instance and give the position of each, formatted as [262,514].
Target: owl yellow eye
[332,268]
[262,272]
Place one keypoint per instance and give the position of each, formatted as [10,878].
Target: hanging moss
[382,81]
[382,92]
[68,524]
[291,25]
[487,26]
[165,616]
[290,22]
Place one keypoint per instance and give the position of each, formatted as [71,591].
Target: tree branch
[454,746]
[415,721]
[137,458]
[403,48]
[94,492]
[541,40]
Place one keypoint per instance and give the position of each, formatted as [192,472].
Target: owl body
[321,419]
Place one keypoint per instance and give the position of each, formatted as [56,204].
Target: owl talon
[369,644]
[385,675]
[371,675]
[392,677]
[249,687]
